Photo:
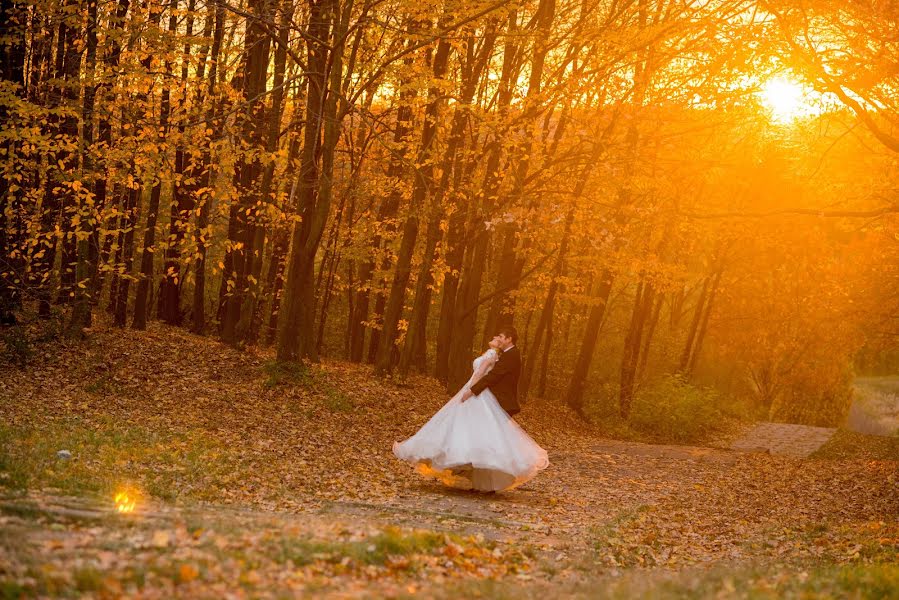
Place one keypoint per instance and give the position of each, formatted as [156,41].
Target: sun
[787,100]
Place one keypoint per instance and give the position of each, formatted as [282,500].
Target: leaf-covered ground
[255,479]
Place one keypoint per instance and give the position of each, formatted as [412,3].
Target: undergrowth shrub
[672,409]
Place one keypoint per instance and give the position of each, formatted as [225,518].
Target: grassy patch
[278,373]
[667,410]
[22,511]
[11,590]
[856,581]
[299,375]
[673,409]
[107,454]
[376,550]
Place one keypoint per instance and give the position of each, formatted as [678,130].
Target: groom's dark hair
[509,332]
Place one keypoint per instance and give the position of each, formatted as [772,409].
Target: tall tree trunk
[13,21]
[89,215]
[544,365]
[501,313]
[252,317]
[368,277]
[133,114]
[600,298]
[296,318]
[700,336]
[57,199]
[325,285]
[642,73]
[201,231]
[650,330]
[277,262]
[141,297]
[169,305]
[471,280]
[453,167]
[71,94]
[694,326]
[633,344]
[248,209]
[423,183]
[546,315]
[101,246]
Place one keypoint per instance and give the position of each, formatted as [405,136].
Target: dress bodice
[482,364]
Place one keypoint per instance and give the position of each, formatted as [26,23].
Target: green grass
[108,454]
[311,379]
[372,551]
[668,410]
[11,590]
[278,373]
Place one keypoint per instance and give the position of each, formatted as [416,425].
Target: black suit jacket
[503,380]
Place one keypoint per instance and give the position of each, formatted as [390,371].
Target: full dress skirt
[473,445]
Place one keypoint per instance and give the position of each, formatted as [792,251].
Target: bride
[472,443]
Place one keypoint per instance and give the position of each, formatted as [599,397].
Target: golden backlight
[787,100]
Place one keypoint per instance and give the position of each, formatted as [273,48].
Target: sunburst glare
[788,100]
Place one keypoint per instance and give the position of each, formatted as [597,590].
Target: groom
[502,379]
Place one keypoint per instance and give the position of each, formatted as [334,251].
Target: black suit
[503,380]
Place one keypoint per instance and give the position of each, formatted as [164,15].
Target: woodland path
[784,438]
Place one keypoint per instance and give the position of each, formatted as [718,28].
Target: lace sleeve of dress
[489,359]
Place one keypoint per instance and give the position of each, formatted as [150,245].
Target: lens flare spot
[125,502]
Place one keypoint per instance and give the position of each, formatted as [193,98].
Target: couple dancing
[472,442]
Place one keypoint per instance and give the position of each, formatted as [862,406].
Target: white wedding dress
[474,444]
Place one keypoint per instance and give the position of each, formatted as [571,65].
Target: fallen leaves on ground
[189,422]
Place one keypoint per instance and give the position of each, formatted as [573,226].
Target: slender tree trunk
[141,297]
[13,15]
[83,289]
[501,311]
[544,365]
[296,319]
[454,170]
[13,21]
[201,231]
[252,317]
[278,260]
[633,344]
[248,214]
[700,336]
[650,331]
[323,285]
[578,381]
[71,93]
[169,306]
[694,327]
[422,184]
[62,93]
[368,277]
[546,315]
[471,280]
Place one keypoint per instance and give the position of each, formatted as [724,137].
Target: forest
[247,246]
[699,189]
